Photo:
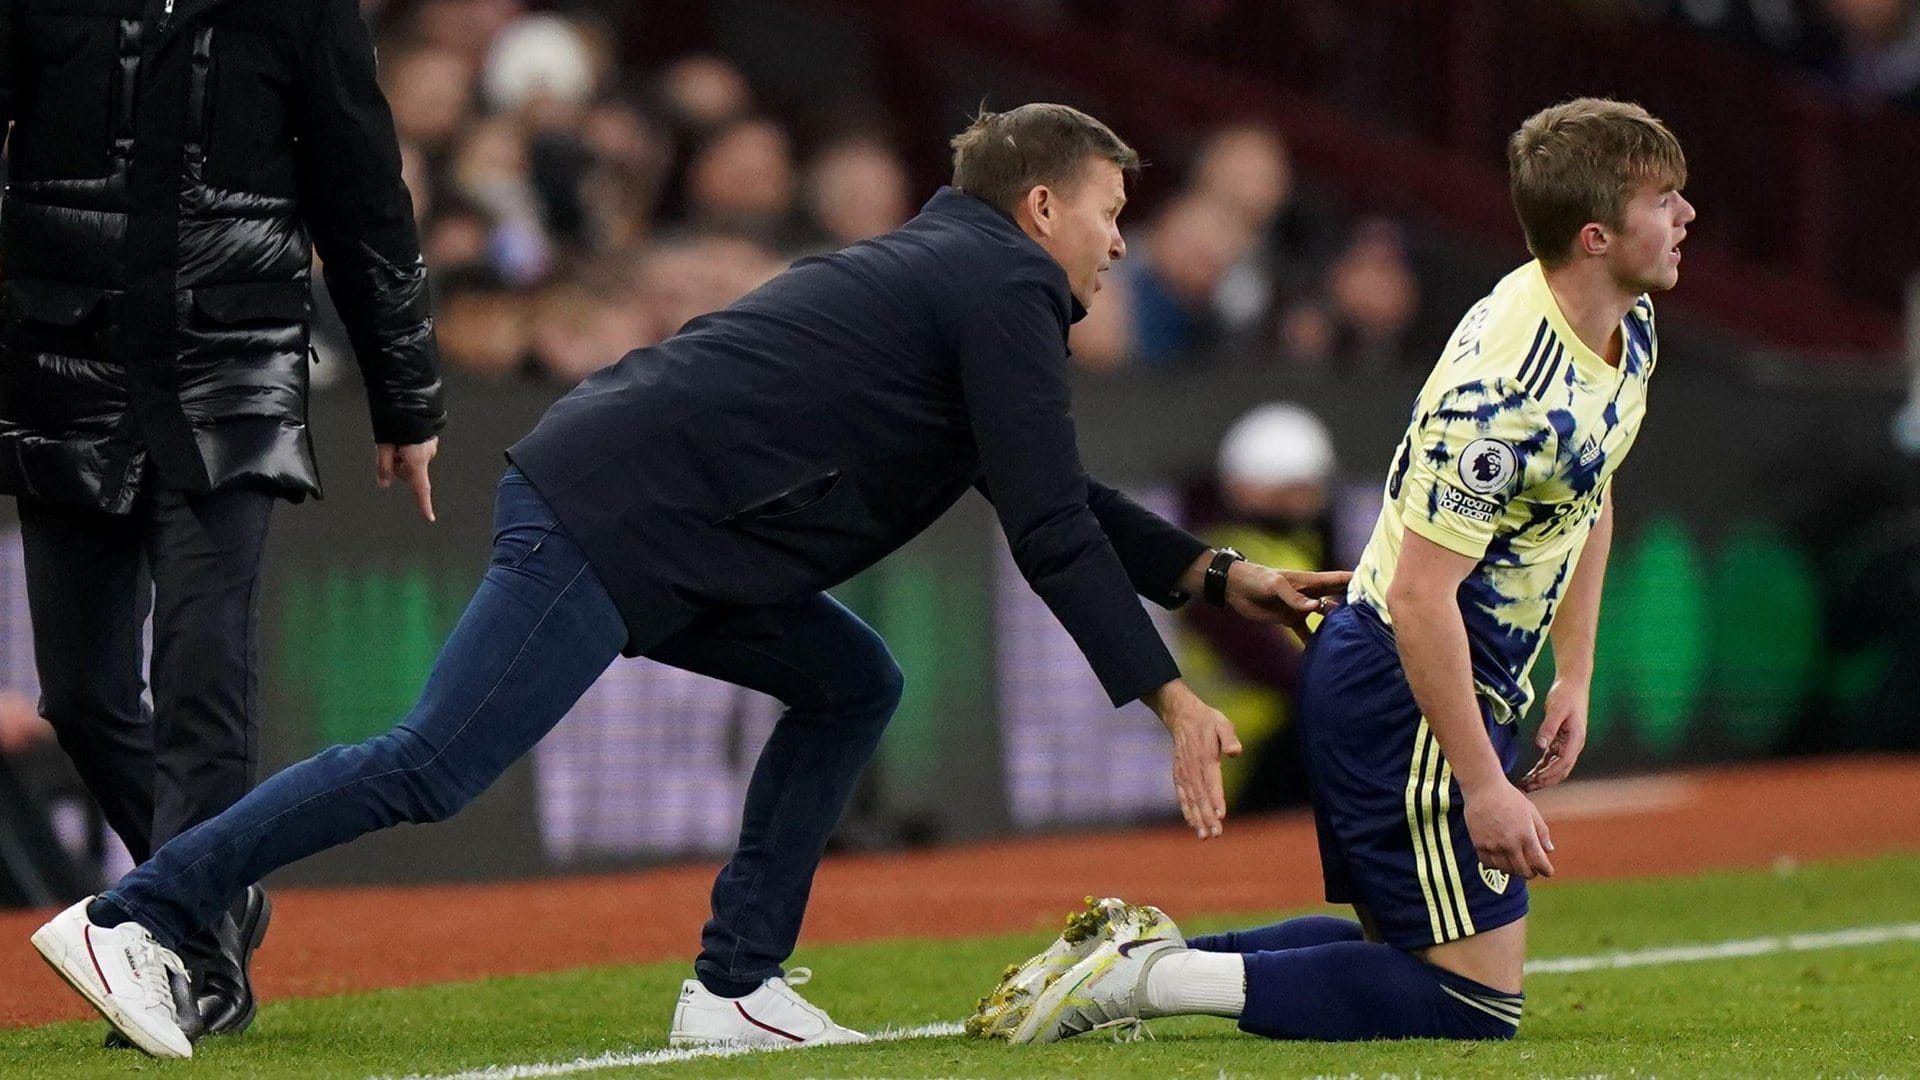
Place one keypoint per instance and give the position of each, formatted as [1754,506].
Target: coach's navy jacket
[778,447]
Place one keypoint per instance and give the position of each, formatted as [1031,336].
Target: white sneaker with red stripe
[122,971]
[773,1015]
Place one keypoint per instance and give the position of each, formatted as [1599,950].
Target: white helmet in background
[1274,445]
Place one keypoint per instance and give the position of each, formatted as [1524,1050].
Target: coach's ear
[1037,212]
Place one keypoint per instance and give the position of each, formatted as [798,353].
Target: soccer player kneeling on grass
[1496,525]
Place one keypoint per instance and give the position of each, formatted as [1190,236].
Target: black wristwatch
[1213,588]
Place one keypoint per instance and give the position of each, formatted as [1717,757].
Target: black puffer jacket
[172,165]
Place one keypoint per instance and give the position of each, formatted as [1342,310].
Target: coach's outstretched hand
[1284,597]
[1202,735]
[410,464]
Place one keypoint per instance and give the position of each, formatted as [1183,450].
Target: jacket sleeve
[1012,356]
[1154,550]
[357,208]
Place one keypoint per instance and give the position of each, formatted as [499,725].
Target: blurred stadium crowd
[572,209]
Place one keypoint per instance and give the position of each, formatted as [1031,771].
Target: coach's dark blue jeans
[538,632]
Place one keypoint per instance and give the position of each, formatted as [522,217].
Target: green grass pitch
[1833,1012]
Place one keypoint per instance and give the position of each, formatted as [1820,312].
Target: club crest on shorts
[1495,879]
[1486,465]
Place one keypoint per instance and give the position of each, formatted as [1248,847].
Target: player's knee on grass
[1352,991]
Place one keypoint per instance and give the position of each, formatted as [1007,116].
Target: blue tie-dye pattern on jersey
[1507,458]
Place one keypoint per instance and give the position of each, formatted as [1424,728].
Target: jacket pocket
[254,302]
[791,501]
[55,303]
[54,317]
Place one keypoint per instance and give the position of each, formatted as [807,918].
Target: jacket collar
[952,202]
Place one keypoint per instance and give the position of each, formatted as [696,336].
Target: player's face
[1645,254]
[1086,232]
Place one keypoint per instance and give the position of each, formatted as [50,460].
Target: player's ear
[1594,239]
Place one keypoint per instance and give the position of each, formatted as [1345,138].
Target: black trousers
[194,562]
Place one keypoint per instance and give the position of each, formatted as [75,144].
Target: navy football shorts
[1393,832]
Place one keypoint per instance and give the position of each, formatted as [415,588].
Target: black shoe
[223,989]
[183,1007]
[219,998]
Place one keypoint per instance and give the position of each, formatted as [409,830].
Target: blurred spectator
[1171,281]
[456,237]
[1270,500]
[1102,340]
[740,181]
[578,327]
[1371,300]
[1879,48]
[682,280]
[856,188]
[431,91]
[481,322]
[21,728]
[543,68]
[1246,169]
[620,191]
[418,176]
[492,170]
[702,94]
[467,28]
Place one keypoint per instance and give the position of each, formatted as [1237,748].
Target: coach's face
[1079,224]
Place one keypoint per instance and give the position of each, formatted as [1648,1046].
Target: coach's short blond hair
[1002,156]
[1581,161]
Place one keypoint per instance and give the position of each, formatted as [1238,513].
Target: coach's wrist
[1170,699]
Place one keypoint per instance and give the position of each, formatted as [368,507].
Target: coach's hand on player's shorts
[410,463]
[1202,735]
[1507,829]
[1284,597]
[1562,734]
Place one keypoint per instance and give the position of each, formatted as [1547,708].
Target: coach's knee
[877,690]
[421,778]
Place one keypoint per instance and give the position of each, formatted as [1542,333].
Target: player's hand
[1562,735]
[1284,597]
[1202,735]
[409,463]
[1507,829]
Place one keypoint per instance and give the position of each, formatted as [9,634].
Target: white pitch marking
[1726,950]
[1671,954]
[619,1060]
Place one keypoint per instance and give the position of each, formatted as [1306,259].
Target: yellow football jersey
[1513,442]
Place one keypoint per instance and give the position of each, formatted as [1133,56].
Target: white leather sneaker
[773,1015]
[120,971]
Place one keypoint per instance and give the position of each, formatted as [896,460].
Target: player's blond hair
[1581,161]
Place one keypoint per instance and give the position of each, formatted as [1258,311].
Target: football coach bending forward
[690,503]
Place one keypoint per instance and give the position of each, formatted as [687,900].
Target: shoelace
[798,977]
[1127,1029]
[154,962]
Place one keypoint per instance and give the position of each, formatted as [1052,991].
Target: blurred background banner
[1325,196]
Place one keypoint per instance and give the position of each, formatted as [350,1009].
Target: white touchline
[1671,954]
[630,1059]
[1725,950]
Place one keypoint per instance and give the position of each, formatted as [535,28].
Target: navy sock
[1292,934]
[104,912]
[725,988]
[1363,990]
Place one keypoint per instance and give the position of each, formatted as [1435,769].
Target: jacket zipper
[166,14]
